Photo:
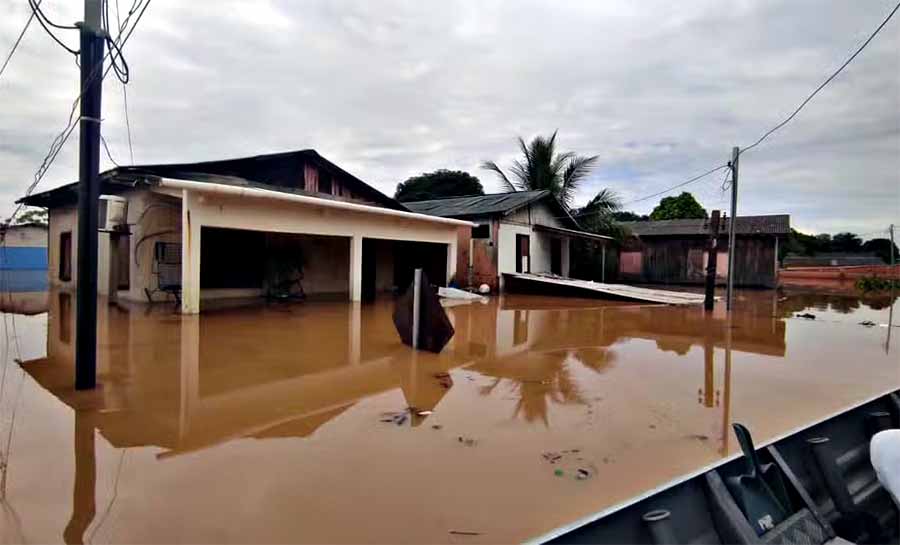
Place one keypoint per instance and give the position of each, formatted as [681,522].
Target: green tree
[437,185]
[33,215]
[542,166]
[882,248]
[630,216]
[684,206]
[598,215]
[846,242]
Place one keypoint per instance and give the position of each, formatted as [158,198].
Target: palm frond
[504,181]
[578,168]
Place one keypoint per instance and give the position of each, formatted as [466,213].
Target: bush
[876,283]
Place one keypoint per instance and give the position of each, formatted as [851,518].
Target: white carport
[220,205]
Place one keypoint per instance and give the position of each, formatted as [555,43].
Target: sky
[660,91]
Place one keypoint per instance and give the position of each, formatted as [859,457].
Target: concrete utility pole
[92,42]
[729,297]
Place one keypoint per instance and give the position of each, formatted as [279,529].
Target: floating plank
[528,281]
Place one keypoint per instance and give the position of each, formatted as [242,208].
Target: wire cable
[125,95]
[17,42]
[822,86]
[676,186]
[44,21]
[108,154]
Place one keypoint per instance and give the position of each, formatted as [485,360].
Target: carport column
[451,263]
[356,251]
[190,254]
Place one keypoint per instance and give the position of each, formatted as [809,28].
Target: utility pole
[711,260]
[729,297]
[892,248]
[92,42]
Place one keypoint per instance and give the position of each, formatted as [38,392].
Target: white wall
[263,214]
[18,236]
[539,249]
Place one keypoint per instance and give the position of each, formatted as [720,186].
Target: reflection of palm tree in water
[544,378]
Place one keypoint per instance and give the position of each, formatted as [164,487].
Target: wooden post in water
[711,261]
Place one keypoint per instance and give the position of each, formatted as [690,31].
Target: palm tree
[597,216]
[542,167]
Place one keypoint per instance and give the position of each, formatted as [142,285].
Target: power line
[16,44]
[676,186]
[63,136]
[824,83]
[45,21]
[125,94]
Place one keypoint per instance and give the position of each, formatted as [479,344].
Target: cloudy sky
[659,90]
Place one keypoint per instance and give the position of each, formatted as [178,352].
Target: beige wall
[264,214]
[61,220]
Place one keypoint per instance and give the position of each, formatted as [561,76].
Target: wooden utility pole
[735,155]
[92,42]
[711,260]
[892,248]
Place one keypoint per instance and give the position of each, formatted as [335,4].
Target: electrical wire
[108,154]
[822,86]
[676,186]
[125,95]
[17,42]
[63,136]
[46,23]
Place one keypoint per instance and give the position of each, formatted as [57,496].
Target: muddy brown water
[312,423]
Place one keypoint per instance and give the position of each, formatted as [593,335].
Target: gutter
[254,192]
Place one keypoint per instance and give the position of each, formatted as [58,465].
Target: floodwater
[312,423]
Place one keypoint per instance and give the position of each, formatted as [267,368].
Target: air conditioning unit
[113,213]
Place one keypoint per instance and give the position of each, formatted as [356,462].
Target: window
[65,256]
[481,231]
[325,183]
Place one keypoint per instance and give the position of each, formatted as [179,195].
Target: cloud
[660,91]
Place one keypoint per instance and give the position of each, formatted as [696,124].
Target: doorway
[523,254]
[556,256]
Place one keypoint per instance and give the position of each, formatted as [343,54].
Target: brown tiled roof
[777,224]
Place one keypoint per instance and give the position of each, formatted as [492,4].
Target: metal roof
[477,205]
[275,171]
[776,224]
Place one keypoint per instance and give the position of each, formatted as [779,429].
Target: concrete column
[190,255]
[451,262]
[190,372]
[356,267]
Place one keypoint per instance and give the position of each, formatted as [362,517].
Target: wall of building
[24,248]
[539,248]
[62,220]
[263,214]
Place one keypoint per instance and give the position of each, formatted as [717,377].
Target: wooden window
[65,256]
[325,183]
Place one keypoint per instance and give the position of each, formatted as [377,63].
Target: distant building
[521,231]
[248,227]
[674,251]
[834,259]
[24,247]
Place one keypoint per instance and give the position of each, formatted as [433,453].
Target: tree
[684,206]
[34,215]
[438,184]
[629,216]
[597,216]
[846,242]
[882,248]
[543,167]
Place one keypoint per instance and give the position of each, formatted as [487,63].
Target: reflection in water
[644,391]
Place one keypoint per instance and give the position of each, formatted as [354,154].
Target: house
[674,251]
[267,225]
[522,231]
[24,247]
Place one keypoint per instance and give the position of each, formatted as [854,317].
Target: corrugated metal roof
[776,224]
[276,171]
[476,205]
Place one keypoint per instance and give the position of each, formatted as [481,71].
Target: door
[556,256]
[523,255]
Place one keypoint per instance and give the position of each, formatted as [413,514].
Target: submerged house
[277,225]
[517,232]
[674,251]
